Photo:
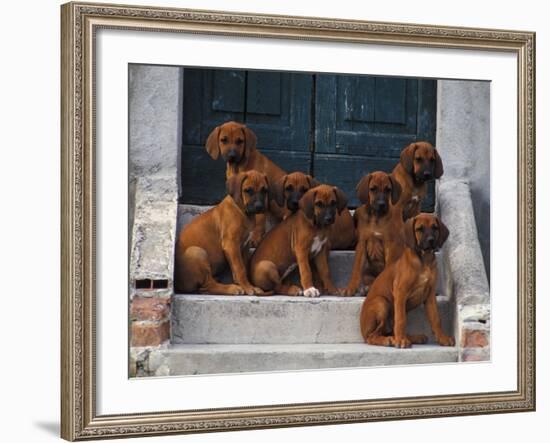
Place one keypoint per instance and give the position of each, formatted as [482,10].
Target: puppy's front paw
[348,292]
[235,290]
[252,290]
[311,292]
[332,291]
[402,342]
[445,340]
[294,291]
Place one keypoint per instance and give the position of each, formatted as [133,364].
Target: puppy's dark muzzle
[328,219]
[293,205]
[429,243]
[423,176]
[258,207]
[232,156]
[380,206]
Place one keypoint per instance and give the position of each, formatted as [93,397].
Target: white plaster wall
[155,105]
[463,141]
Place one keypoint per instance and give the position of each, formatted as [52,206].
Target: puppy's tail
[266,276]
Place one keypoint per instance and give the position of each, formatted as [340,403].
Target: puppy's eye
[249,191]
[263,190]
[373,189]
[224,140]
[418,159]
[432,160]
[303,190]
[435,227]
[420,228]
[289,188]
[332,203]
[319,204]
[387,189]
[239,141]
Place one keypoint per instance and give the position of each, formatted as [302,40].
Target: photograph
[285,221]
[273,220]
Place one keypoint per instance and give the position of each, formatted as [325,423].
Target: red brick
[475,354]
[150,333]
[474,338]
[150,308]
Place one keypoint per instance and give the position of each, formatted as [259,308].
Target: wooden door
[276,106]
[363,122]
[335,127]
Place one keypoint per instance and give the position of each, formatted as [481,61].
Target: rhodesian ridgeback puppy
[236,143]
[379,228]
[288,191]
[297,240]
[221,237]
[419,163]
[404,285]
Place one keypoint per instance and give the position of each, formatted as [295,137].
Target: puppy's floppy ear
[341,199]
[212,144]
[250,139]
[234,187]
[362,189]
[395,189]
[307,203]
[443,233]
[277,191]
[438,168]
[407,158]
[312,181]
[408,233]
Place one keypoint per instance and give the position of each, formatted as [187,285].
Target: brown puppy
[419,163]
[288,191]
[290,188]
[236,143]
[295,241]
[404,285]
[221,236]
[379,228]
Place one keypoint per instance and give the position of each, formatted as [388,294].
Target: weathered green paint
[351,126]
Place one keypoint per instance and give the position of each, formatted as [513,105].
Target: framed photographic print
[283,221]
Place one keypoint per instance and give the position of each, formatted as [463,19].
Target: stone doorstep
[341,264]
[220,359]
[281,319]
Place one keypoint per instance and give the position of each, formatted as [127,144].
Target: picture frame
[80,23]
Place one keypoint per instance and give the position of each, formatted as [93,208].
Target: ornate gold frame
[79,420]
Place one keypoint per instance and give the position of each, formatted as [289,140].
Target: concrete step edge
[230,358]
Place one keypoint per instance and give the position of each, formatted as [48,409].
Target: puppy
[220,237]
[297,240]
[379,228]
[405,284]
[236,143]
[290,188]
[419,163]
[288,191]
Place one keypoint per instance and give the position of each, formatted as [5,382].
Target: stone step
[201,319]
[221,359]
[340,265]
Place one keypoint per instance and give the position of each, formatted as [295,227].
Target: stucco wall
[463,140]
[155,101]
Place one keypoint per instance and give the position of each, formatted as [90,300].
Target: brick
[474,338]
[475,354]
[150,308]
[150,333]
